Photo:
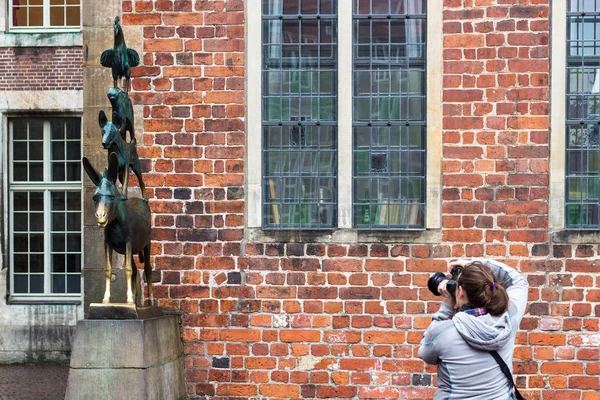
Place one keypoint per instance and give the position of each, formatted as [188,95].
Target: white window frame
[345,148]
[46,186]
[46,28]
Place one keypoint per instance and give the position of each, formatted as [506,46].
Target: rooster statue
[120,59]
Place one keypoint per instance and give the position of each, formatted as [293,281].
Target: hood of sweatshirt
[485,332]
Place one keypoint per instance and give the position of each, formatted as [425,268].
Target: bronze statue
[120,58]
[122,107]
[126,224]
[127,156]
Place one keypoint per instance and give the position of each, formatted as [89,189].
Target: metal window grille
[583,115]
[299,114]
[45,218]
[389,114]
[45,14]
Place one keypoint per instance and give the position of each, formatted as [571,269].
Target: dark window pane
[74,242]
[57,129]
[36,222]
[20,172]
[36,263]
[58,242]
[36,243]
[58,263]
[36,201]
[73,283]
[73,222]
[73,201]
[21,284]
[19,129]
[21,243]
[20,263]
[19,151]
[74,128]
[58,201]
[21,222]
[58,283]
[36,129]
[58,172]
[58,150]
[36,171]
[74,150]
[20,201]
[73,263]
[74,171]
[58,222]
[36,283]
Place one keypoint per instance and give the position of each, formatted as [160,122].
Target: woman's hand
[459,263]
[447,297]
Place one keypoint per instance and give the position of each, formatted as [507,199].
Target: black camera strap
[507,373]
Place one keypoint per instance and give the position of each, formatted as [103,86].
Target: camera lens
[437,278]
[434,281]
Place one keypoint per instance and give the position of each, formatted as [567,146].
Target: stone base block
[122,311]
[127,359]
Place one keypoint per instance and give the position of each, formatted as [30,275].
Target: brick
[300,336]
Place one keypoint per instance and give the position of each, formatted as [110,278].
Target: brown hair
[478,283]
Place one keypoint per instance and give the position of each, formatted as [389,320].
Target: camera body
[437,278]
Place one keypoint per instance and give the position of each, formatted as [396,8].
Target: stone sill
[37,39]
[47,302]
[343,236]
[575,237]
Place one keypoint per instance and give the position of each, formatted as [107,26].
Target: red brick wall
[41,68]
[344,320]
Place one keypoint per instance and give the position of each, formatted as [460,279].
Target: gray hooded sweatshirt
[460,343]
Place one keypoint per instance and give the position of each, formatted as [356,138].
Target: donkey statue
[126,224]
[126,153]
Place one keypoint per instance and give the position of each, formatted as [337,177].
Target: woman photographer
[490,298]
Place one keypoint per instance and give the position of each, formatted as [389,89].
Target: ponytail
[482,291]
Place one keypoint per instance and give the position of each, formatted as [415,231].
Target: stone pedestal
[127,359]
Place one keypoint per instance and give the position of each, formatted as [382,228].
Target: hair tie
[493,285]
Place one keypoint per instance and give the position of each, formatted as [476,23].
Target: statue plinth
[127,359]
[122,311]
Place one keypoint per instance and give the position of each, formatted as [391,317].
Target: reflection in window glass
[583,115]
[299,114]
[389,114]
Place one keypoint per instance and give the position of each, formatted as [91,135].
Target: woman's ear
[461,296]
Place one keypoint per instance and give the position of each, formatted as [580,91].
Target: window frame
[558,133]
[47,187]
[46,28]
[345,229]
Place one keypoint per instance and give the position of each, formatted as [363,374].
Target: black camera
[437,278]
